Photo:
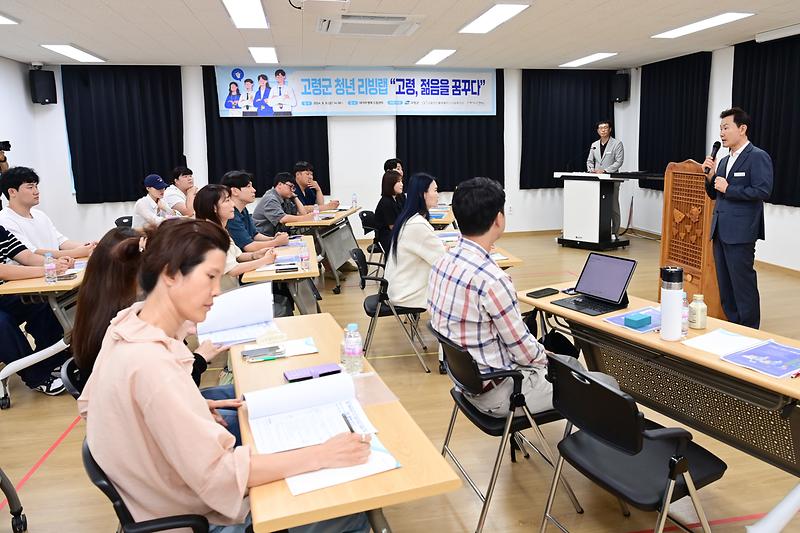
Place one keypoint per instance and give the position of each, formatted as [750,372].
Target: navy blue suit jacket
[739,212]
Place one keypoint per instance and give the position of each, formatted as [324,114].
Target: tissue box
[637,320]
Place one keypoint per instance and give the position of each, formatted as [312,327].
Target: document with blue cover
[770,358]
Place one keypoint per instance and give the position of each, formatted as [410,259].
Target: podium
[685,238]
[587,211]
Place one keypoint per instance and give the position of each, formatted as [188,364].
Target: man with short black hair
[739,184]
[472,302]
[606,155]
[241,227]
[33,228]
[393,164]
[278,206]
[181,192]
[308,190]
[281,97]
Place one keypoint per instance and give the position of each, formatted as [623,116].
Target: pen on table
[796,375]
[347,421]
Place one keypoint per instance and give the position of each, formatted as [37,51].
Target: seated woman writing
[147,425]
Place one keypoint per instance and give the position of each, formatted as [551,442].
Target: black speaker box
[43,86]
[621,87]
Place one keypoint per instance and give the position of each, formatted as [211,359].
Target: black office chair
[464,372]
[368,224]
[124,222]
[197,523]
[638,461]
[71,376]
[19,522]
[378,305]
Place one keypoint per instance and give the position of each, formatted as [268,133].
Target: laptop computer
[602,286]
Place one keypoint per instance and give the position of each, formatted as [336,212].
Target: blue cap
[352,327]
[155,181]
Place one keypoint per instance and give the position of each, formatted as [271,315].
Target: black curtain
[766,84]
[453,148]
[263,146]
[560,109]
[123,122]
[673,113]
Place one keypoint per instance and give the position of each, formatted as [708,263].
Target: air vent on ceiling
[368,25]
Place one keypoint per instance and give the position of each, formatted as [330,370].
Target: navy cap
[155,181]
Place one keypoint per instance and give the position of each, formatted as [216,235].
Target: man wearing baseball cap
[151,209]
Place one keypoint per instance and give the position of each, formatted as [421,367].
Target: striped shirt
[472,302]
[9,247]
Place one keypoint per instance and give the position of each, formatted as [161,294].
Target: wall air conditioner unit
[369,25]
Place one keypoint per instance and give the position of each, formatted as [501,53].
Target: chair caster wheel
[337,289]
[442,368]
[19,523]
[5,402]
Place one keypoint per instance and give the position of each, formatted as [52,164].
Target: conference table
[444,215]
[423,473]
[335,236]
[501,256]
[62,296]
[750,411]
[299,282]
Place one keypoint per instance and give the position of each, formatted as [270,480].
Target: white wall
[358,146]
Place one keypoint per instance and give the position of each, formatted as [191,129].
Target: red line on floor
[720,521]
[43,458]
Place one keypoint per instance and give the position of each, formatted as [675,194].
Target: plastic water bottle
[685,317]
[353,350]
[50,275]
[316,211]
[354,200]
[304,257]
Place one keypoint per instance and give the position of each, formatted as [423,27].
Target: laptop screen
[605,277]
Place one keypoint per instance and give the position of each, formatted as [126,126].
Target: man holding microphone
[739,184]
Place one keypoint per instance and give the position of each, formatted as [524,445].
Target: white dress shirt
[733,156]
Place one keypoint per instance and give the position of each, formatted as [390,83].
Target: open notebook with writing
[307,413]
[237,316]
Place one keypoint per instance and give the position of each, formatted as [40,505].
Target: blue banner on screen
[321,91]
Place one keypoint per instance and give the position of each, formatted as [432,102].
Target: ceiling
[550,32]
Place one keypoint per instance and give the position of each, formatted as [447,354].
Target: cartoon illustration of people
[232,101]
[281,97]
[262,97]
[246,102]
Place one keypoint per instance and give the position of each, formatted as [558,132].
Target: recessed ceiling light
[495,16]
[6,20]
[246,14]
[73,53]
[589,59]
[701,25]
[264,54]
[435,56]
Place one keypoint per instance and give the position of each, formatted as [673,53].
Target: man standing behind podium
[605,156]
[739,184]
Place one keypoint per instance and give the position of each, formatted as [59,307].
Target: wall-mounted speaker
[43,86]
[621,87]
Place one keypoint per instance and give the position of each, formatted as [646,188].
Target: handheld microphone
[714,149]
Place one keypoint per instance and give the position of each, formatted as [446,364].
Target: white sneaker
[52,387]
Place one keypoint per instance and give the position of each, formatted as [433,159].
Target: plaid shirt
[472,302]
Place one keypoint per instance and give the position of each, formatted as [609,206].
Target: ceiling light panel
[495,16]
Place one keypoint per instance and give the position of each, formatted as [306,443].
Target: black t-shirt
[9,246]
[385,215]
[602,149]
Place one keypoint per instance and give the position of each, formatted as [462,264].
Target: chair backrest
[101,481]
[124,222]
[367,221]
[603,411]
[461,367]
[363,272]
[71,376]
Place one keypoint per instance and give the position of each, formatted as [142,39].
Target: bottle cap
[352,327]
[698,297]
[672,274]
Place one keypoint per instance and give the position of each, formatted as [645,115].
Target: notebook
[237,316]
[297,415]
